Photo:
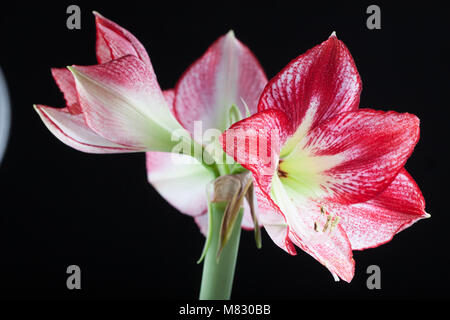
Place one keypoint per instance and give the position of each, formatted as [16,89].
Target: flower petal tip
[333,35]
[37,108]
[74,70]
[335,277]
[99,18]
[40,109]
[231,35]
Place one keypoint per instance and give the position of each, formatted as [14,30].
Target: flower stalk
[218,272]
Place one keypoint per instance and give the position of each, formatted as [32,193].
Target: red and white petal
[316,85]
[313,232]
[273,220]
[228,73]
[66,83]
[122,102]
[181,180]
[72,130]
[375,222]
[255,143]
[114,42]
[352,157]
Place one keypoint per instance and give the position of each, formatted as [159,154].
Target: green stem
[218,274]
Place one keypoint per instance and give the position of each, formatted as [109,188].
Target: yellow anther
[334,222]
[330,224]
[327,224]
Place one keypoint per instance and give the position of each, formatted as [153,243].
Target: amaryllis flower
[328,176]
[115,106]
[118,106]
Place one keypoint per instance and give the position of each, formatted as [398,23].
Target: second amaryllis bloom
[328,176]
[227,74]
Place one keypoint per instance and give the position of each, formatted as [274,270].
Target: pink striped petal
[310,231]
[317,85]
[352,157]
[228,73]
[375,222]
[255,143]
[114,42]
[273,219]
[181,180]
[66,83]
[122,102]
[72,130]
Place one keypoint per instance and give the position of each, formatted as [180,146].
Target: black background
[61,207]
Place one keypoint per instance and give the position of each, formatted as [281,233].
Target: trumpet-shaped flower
[115,106]
[328,176]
